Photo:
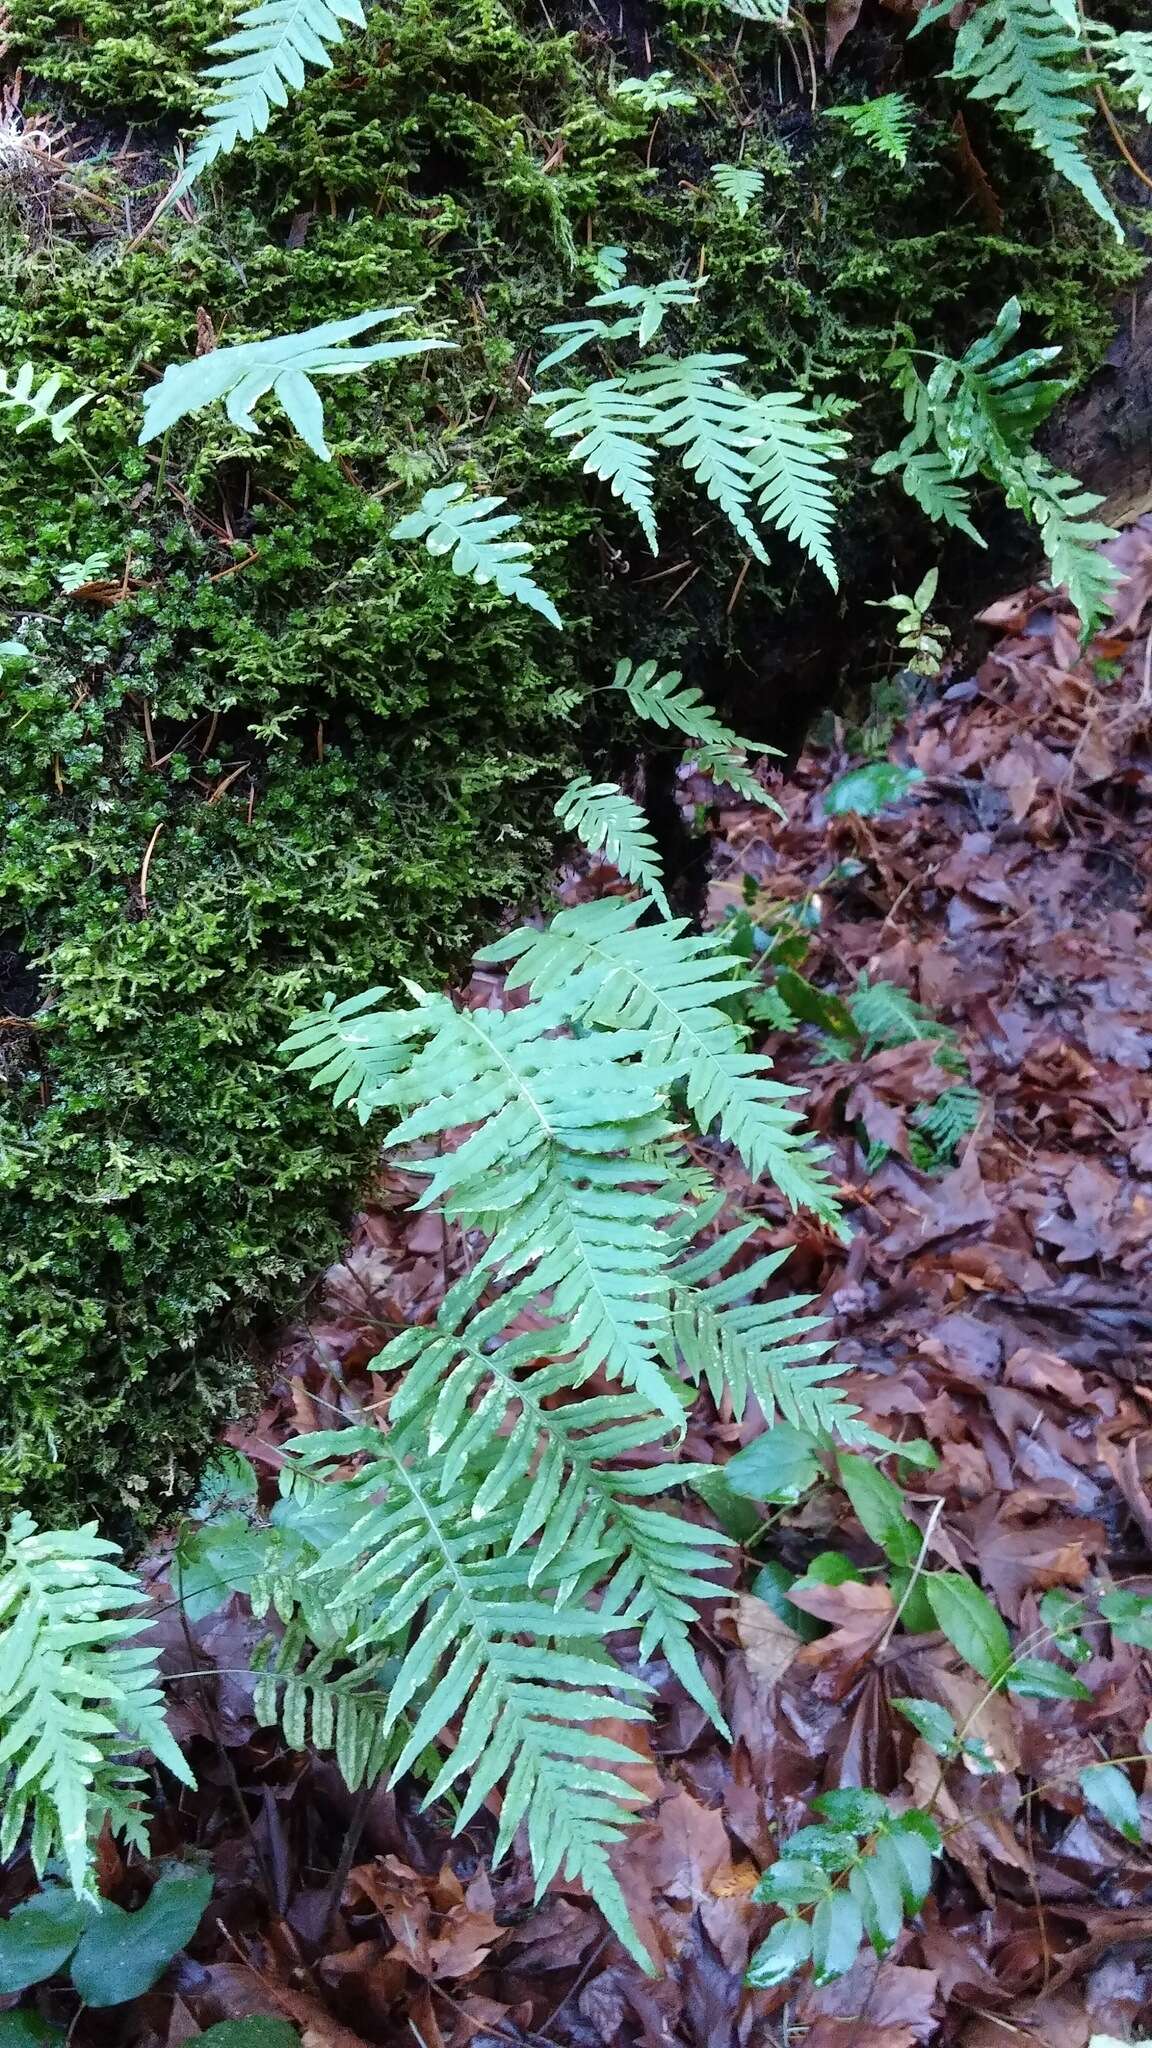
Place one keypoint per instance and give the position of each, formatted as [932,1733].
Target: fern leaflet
[22,394]
[612,823]
[1128,55]
[449,522]
[672,704]
[260,63]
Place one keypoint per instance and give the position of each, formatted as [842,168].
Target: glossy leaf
[786,1950]
[934,1723]
[121,1955]
[837,1931]
[1106,1787]
[38,1937]
[970,1623]
[782,1465]
[879,1505]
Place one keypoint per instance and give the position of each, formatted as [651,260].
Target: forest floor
[997,1304]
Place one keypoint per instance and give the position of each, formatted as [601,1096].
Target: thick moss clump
[265,751]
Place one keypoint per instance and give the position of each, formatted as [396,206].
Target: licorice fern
[472,531]
[258,65]
[1127,54]
[21,394]
[77,1697]
[1029,57]
[673,705]
[763,460]
[885,124]
[738,183]
[611,822]
[283,365]
[976,414]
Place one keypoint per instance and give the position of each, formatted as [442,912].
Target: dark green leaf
[786,1950]
[1063,1613]
[831,1848]
[919,1453]
[915,1607]
[829,1568]
[27,2030]
[880,1506]
[852,1806]
[37,1938]
[256,2033]
[121,1955]
[914,1853]
[771,1585]
[736,1515]
[970,1622]
[1037,1679]
[837,1931]
[792,1881]
[870,789]
[934,1723]
[781,1465]
[811,1005]
[877,1885]
[1130,1617]
[1107,1789]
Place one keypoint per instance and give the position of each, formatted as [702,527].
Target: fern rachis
[472,531]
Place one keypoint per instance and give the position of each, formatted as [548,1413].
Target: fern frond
[792,448]
[608,423]
[610,970]
[449,522]
[885,124]
[762,1350]
[738,183]
[1063,510]
[772,13]
[656,94]
[1024,57]
[318,1705]
[259,64]
[476,1389]
[673,705]
[946,1122]
[1128,55]
[76,1697]
[354,1046]
[704,416]
[611,822]
[22,394]
[509,1662]
[928,480]
[283,365]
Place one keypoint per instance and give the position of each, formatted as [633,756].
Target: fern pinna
[528,1456]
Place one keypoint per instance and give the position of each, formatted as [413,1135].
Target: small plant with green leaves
[885,124]
[916,637]
[976,415]
[858,1873]
[764,460]
[739,184]
[657,94]
[1127,55]
[258,65]
[473,531]
[34,402]
[284,365]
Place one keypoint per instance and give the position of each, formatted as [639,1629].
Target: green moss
[342,758]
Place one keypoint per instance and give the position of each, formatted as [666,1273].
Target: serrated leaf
[879,1505]
[1038,1679]
[852,1806]
[837,1931]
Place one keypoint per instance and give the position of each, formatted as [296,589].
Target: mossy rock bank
[264,750]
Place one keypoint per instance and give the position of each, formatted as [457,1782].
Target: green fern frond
[283,365]
[478,1390]
[609,970]
[673,705]
[953,1116]
[259,64]
[656,94]
[22,394]
[705,417]
[928,480]
[612,823]
[514,1666]
[886,1015]
[1128,55]
[332,1710]
[449,522]
[1063,510]
[608,423]
[772,13]
[77,1698]
[885,124]
[354,1047]
[764,1351]
[792,450]
[1024,57]
[738,183]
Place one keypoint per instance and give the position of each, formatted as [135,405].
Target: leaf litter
[994,1302]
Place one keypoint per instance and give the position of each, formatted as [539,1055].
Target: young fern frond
[284,365]
[22,394]
[609,970]
[612,823]
[76,1697]
[259,64]
[529,1707]
[975,414]
[673,705]
[885,124]
[1027,58]
[768,456]
[740,184]
[451,523]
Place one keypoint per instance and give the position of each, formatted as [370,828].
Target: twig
[1118,139]
[348,1848]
